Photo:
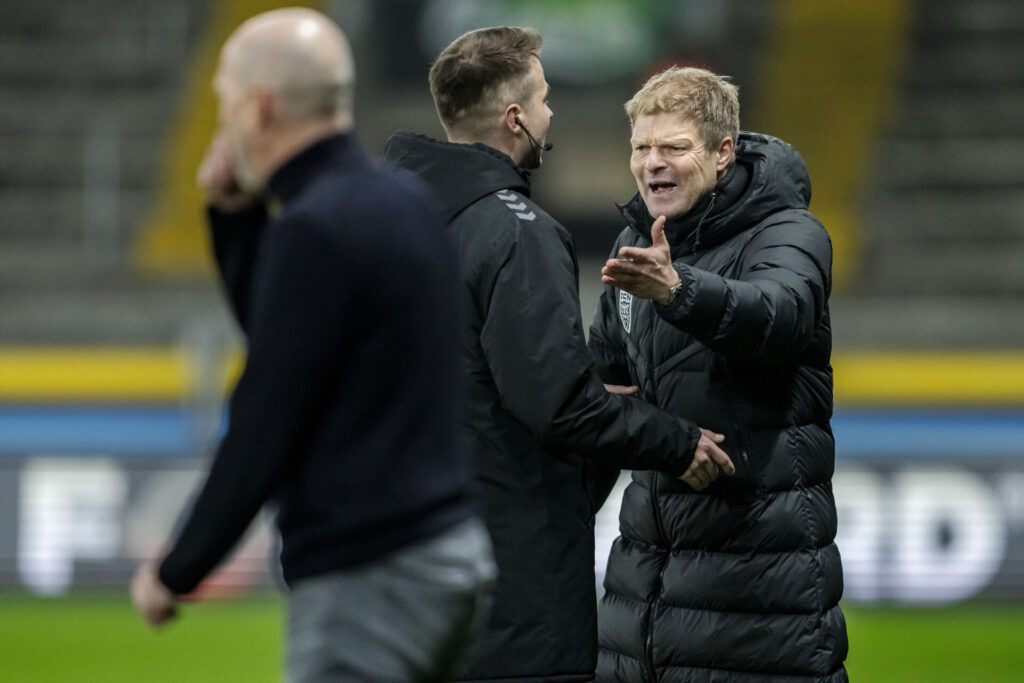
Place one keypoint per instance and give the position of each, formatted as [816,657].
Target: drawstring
[711,205]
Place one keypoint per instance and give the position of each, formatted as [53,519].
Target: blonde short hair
[698,95]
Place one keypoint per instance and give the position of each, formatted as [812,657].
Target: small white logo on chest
[626,310]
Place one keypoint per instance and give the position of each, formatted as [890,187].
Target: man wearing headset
[537,417]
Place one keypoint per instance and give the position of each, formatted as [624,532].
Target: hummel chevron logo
[518,207]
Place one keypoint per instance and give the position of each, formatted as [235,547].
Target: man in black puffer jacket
[534,404]
[720,314]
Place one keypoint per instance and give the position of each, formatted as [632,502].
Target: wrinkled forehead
[664,127]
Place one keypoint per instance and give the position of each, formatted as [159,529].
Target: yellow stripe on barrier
[950,378]
[954,378]
[104,374]
[114,374]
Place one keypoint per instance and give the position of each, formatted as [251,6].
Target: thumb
[658,238]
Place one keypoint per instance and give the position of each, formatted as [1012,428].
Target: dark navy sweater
[345,413]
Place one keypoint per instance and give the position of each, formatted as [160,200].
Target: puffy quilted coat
[741,581]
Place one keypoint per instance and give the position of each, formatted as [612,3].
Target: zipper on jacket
[703,216]
[739,425]
[659,524]
[584,481]
[652,673]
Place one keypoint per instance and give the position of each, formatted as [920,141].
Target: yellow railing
[105,374]
[882,377]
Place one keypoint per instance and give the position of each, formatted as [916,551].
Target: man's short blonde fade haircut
[711,101]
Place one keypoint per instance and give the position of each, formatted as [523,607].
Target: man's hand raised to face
[217,175]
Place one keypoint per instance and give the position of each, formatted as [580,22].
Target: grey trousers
[413,615]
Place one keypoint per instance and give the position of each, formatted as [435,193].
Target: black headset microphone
[547,146]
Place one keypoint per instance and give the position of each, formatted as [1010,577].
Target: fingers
[635,261]
[713,457]
[700,474]
[609,271]
[646,272]
[708,461]
[620,389]
[631,255]
[631,259]
[217,175]
[161,615]
[151,599]
[217,165]
[723,461]
[658,238]
[719,457]
[693,481]
[621,272]
[632,269]
[714,436]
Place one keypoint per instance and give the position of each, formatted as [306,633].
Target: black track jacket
[535,405]
[741,581]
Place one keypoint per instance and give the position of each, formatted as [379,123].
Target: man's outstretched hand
[646,273]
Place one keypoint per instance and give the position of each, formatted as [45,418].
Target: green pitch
[97,638]
[972,643]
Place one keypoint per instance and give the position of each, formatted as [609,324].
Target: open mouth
[661,188]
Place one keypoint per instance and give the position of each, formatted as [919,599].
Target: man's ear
[726,149]
[266,108]
[512,114]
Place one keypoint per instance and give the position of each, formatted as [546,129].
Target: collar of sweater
[293,175]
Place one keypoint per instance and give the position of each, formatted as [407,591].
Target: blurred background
[116,348]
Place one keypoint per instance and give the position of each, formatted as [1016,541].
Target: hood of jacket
[457,174]
[768,175]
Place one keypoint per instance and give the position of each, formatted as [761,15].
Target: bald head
[284,81]
[300,56]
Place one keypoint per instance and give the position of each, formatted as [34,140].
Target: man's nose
[655,160]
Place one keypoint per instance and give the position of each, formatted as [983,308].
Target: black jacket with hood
[537,415]
[740,581]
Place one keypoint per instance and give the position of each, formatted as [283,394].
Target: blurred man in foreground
[716,305]
[535,405]
[345,414]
